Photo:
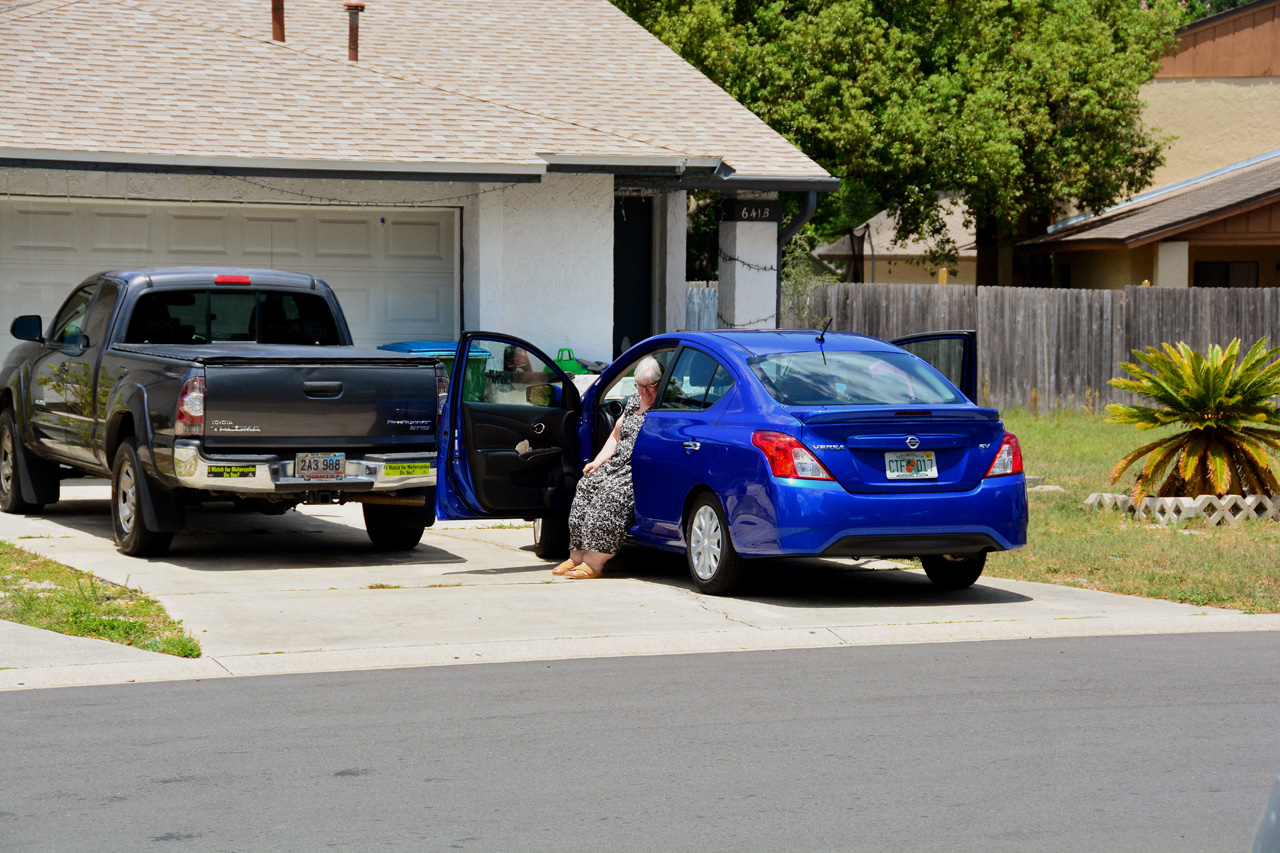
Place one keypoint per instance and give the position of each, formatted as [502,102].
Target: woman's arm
[606,452]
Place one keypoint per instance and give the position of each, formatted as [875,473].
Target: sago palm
[1228,410]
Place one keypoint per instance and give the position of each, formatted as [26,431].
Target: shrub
[1226,408]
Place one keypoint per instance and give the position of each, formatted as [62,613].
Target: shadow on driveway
[219,536]
[811,582]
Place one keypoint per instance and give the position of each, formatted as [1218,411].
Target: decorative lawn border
[1231,509]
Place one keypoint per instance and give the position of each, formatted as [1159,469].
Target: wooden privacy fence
[1043,348]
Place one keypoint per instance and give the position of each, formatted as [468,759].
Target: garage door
[395,271]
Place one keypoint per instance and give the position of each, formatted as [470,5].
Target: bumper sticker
[406,469]
[232,471]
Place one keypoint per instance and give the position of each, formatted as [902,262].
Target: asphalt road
[1153,743]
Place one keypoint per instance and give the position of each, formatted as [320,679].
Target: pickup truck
[191,384]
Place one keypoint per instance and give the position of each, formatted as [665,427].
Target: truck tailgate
[335,399]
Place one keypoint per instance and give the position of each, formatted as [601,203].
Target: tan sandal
[564,568]
[584,572]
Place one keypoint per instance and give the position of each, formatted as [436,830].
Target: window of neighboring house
[1226,274]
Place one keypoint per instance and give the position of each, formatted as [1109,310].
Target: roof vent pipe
[354,9]
[277,20]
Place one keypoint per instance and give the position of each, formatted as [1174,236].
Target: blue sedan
[762,443]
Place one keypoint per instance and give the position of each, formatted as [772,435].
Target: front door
[632,271]
[953,354]
[508,434]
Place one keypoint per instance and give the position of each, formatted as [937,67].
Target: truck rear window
[203,317]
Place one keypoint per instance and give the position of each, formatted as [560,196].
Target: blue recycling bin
[472,381]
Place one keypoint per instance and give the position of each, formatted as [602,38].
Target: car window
[99,318]
[624,383]
[851,379]
[695,383]
[500,372]
[200,317]
[69,321]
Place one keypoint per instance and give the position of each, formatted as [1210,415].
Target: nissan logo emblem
[913,442]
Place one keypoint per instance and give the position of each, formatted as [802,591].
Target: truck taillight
[1008,458]
[788,457]
[191,407]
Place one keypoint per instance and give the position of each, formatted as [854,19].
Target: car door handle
[692,446]
[539,429]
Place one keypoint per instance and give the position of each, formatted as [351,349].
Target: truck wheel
[132,536]
[551,538]
[948,571]
[10,486]
[714,564]
[392,528]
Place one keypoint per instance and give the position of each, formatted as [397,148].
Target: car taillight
[191,407]
[789,458]
[232,279]
[1008,458]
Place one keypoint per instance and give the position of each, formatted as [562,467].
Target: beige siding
[1217,122]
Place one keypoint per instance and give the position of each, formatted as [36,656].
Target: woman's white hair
[648,370]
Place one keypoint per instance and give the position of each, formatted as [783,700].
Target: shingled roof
[450,86]
[1170,210]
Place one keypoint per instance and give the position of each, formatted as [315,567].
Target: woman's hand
[591,466]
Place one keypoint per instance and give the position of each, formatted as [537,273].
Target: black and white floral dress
[605,503]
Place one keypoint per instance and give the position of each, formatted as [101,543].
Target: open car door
[953,354]
[508,433]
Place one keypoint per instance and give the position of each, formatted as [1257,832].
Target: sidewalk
[273,595]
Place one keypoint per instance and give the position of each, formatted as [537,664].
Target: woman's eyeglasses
[647,386]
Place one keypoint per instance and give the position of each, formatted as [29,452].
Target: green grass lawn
[45,594]
[1228,566]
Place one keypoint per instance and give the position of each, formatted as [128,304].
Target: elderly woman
[602,508]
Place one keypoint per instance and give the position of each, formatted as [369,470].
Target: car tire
[10,484]
[131,533]
[393,528]
[714,564]
[551,537]
[948,571]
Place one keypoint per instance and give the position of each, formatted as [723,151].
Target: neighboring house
[872,253]
[1218,92]
[1213,218]
[1218,230]
[519,166]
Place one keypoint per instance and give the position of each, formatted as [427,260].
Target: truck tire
[393,528]
[10,483]
[551,537]
[131,533]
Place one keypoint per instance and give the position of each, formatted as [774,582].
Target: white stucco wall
[557,248]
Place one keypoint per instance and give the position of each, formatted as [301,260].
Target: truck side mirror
[27,328]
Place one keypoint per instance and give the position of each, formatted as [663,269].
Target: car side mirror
[543,395]
[83,341]
[27,328]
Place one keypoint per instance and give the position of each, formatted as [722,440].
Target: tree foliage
[1232,424]
[1023,107]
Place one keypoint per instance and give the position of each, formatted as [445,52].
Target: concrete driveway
[270,595]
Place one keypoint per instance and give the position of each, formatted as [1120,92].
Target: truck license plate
[911,465]
[320,466]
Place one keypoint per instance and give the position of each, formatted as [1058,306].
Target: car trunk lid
[895,450]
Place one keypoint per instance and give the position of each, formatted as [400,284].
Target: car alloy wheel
[706,542]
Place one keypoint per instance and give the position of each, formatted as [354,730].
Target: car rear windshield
[203,317]
[851,379]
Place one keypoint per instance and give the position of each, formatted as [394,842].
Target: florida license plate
[911,465]
[320,466]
